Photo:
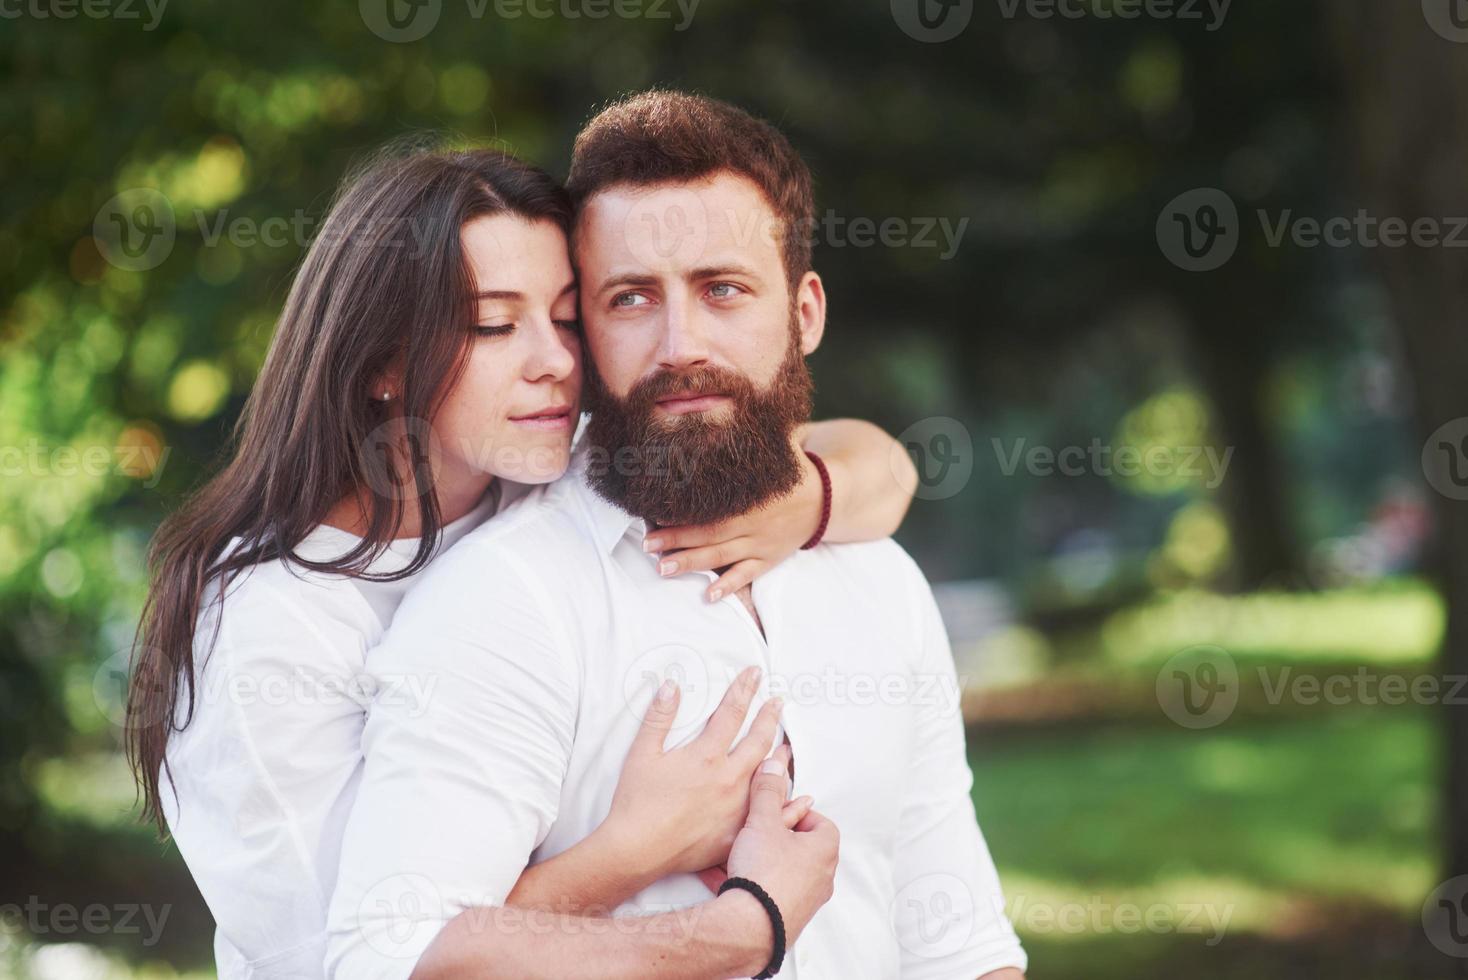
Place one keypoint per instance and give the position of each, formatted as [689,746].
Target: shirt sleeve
[466,748]
[267,755]
[949,911]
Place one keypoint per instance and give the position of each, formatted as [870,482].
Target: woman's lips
[697,403]
[550,420]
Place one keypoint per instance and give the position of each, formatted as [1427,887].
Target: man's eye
[572,325]
[628,300]
[723,290]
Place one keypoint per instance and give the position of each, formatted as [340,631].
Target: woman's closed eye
[494,329]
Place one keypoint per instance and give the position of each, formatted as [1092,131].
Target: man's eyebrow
[726,269]
[626,279]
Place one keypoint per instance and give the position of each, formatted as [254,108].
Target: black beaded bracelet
[777,922]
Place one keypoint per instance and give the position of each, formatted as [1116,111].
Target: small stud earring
[387,396]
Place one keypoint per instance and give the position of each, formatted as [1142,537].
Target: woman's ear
[810,311]
[387,384]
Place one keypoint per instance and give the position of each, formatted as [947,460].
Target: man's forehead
[678,222]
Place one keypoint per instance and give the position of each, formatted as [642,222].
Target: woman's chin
[540,464]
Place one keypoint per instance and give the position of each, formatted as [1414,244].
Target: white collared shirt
[535,646]
[264,774]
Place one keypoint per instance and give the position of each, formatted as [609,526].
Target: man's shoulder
[882,560]
[540,538]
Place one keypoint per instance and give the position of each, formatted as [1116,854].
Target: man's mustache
[701,381]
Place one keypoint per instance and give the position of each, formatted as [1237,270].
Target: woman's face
[513,410]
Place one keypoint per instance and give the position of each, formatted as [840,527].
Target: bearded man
[547,632]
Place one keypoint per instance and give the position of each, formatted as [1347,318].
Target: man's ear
[810,311]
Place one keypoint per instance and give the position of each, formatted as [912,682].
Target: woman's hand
[680,810]
[749,544]
[873,481]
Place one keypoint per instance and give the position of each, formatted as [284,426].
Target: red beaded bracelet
[815,539]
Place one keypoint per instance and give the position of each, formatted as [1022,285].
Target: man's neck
[746,596]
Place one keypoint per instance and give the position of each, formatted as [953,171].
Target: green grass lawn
[1308,841]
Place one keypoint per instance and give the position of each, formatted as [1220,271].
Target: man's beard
[692,469]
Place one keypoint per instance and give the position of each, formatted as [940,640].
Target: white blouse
[265,773]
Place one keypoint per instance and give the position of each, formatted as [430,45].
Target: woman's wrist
[629,856]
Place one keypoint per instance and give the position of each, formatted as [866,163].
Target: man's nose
[685,336]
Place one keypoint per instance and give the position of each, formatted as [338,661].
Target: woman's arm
[872,477]
[872,483]
[672,811]
[727,936]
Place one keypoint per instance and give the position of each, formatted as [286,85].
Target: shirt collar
[609,523]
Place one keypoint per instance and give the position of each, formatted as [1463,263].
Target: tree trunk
[1233,363]
[1407,116]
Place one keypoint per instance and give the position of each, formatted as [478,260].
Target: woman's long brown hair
[384,286]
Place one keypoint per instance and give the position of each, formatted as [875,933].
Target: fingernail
[716,595]
[806,801]
[772,767]
[652,544]
[750,677]
[667,567]
[778,705]
[665,693]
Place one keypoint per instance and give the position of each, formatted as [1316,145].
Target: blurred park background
[1165,297]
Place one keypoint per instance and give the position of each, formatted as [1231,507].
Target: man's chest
[841,668]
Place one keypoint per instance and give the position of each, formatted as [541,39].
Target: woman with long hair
[425,370]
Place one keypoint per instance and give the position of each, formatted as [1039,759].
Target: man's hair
[661,137]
